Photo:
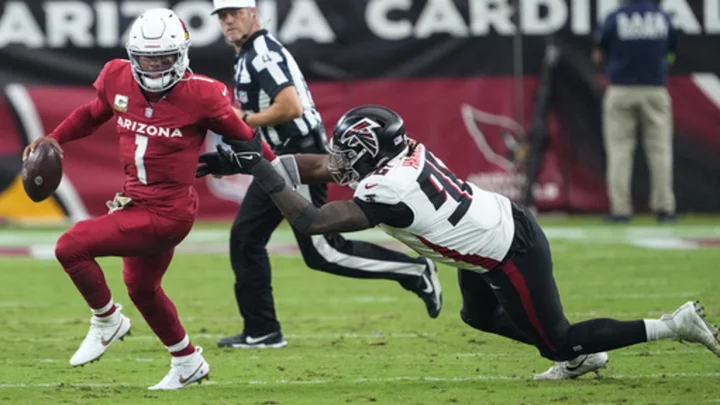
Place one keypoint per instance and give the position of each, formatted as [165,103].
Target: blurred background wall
[502,90]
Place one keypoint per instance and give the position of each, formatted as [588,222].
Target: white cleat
[103,332]
[184,371]
[566,370]
[690,325]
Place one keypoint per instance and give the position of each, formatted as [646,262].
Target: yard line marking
[684,351]
[358,381]
[320,336]
[600,313]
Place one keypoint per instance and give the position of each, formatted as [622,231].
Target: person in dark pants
[275,99]
[503,257]
[638,42]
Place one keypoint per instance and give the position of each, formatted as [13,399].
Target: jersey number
[141,142]
[437,182]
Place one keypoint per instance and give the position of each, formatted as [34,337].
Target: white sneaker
[690,325]
[103,332]
[566,370]
[184,371]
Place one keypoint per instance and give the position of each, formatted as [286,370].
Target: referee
[275,99]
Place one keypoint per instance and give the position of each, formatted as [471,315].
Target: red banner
[467,122]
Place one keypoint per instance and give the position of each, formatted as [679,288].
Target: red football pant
[146,242]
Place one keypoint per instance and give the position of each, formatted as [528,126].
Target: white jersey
[453,222]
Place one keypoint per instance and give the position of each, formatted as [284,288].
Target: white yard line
[25,237]
[658,376]
[491,354]
[195,336]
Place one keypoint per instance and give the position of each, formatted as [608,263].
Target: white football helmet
[159,32]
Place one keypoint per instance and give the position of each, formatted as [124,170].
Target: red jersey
[159,142]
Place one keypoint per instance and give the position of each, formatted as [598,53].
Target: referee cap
[221,4]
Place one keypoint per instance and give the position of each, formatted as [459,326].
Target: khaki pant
[625,109]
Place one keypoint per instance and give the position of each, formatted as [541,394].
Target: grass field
[359,342]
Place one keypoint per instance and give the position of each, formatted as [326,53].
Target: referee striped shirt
[263,67]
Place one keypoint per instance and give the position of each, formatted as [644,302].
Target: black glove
[253,145]
[241,159]
[214,163]
[244,154]
[246,157]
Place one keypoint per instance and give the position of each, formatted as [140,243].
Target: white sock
[100,311]
[180,345]
[656,329]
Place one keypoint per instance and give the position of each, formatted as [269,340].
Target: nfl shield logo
[148,112]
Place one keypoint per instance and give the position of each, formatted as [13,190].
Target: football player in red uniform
[162,112]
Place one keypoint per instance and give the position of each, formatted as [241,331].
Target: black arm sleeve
[397,216]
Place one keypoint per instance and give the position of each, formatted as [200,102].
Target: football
[42,172]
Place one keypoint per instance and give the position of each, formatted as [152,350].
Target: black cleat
[429,290]
[617,219]
[665,217]
[274,340]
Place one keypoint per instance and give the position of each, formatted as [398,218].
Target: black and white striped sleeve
[271,71]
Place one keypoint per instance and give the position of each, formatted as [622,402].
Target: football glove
[242,158]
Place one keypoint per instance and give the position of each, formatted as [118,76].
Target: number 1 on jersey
[141,142]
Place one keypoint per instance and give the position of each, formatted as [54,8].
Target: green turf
[360,342]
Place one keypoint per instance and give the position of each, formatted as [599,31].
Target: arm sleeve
[271,72]
[88,117]
[397,215]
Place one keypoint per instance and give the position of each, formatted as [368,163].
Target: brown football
[42,172]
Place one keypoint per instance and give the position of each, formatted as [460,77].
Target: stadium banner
[463,73]
[67,42]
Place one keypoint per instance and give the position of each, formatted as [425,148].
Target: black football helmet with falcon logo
[365,139]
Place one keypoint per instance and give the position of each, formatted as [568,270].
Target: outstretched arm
[313,168]
[337,216]
[297,169]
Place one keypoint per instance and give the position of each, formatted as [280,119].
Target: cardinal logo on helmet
[362,133]
[187,34]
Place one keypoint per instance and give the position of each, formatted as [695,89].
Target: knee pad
[68,251]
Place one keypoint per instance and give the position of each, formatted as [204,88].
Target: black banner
[68,42]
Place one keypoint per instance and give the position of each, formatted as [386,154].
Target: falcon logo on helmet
[365,139]
[362,133]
